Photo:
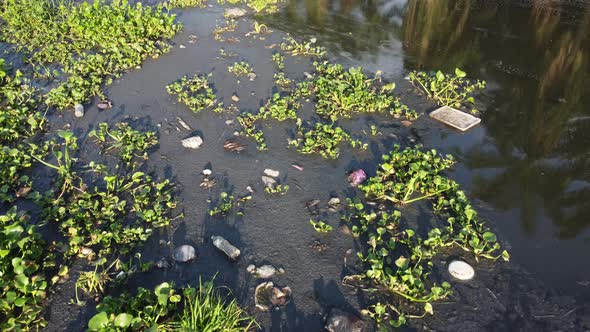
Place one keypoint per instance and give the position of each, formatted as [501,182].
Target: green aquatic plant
[91,43]
[447,89]
[201,309]
[93,282]
[409,175]
[280,189]
[195,92]
[113,220]
[230,26]
[184,3]
[65,162]
[324,139]
[260,6]
[321,226]
[309,48]
[281,80]
[397,261]
[224,205]
[241,68]
[249,129]
[207,311]
[279,60]
[126,141]
[280,108]
[22,269]
[398,265]
[20,122]
[344,93]
[147,310]
[227,203]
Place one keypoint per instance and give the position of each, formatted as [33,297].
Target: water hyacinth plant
[20,121]
[447,89]
[201,309]
[241,69]
[324,139]
[344,93]
[195,92]
[295,48]
[91,42]
[126,141]
[398,262]
[23,260]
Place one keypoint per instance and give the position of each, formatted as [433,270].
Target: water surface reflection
[532,160]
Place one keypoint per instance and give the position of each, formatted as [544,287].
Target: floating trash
[268,296]
[340,321]
[233,146]
[269,182]
[461,270]
[104,105]
[271,173]
[357,177]
[264,271]
[208,183]
[79,110]
[192,142]
[297,167]
[227,248]
[184,253]
[162,264]
[234,12]
[183,124]
[455,118]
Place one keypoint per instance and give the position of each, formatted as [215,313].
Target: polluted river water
[525,167]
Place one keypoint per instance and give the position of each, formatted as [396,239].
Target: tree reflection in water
[535,55]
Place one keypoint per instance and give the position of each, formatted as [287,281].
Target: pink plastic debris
[297,167]
[357,177]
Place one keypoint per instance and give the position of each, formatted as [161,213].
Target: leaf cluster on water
[127,142]
[164,309]
[344,93]
[324,139]
[90,43]
[447,89]
[398,262]
[195,92]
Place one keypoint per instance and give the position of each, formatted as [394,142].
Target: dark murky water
[530,159]
[526,166]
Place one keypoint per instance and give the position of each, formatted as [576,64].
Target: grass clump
[447,89]
[207,311]
[324,139]
[343,93]
[399,262]
[126,141]
[200,309]
[195,92]
[90,43]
